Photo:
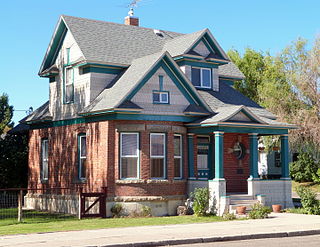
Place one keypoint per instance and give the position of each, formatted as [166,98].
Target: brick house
[151,115]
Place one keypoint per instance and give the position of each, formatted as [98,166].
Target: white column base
[218,199]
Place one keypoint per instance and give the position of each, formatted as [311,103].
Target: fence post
[20,196]
[80,204]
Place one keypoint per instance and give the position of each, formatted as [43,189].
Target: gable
[201,49]
[242,116]
[177,102]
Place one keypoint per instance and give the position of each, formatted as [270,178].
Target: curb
[218,239]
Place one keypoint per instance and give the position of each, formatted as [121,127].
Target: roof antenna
[131,19]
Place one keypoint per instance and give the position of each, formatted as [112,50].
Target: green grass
[295,210]
[42,222]
[313,186]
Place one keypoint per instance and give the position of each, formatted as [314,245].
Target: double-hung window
[44,160]
[177,156]
[68,85]
[157,155]
[129,155]
[82,156]
[201,77]
[203,152]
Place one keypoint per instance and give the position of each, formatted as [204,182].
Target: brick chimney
[130,19]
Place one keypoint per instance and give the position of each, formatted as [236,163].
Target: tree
[6,113]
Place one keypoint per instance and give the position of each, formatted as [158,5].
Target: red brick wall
[102,159]
[235,182]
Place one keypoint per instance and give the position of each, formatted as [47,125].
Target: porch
[233,166]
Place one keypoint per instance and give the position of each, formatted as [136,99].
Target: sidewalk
[278,225]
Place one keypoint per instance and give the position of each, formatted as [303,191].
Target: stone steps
[237,200]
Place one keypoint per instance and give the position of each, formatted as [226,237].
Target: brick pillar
[145,155]
[170,156]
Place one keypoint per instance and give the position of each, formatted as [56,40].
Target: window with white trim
[157,155]
[160,97]
[201,77]
[82,156]
[203,152]
[44,160]
[129,155]
[68,85]
[177,156]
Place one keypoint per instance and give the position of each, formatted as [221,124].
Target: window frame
[179,157]
[43,141]
[129,156]
[80,136]
[160,92]
[164,156]
[67,83]
[201,77]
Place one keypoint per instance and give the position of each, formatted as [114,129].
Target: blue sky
[27,26]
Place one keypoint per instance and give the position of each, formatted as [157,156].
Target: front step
[241,200]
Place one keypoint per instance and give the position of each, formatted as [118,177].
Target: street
[308,241]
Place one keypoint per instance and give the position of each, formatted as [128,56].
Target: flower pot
[276,208]
[241,209]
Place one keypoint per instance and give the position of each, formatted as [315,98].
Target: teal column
[253,156]
[218,154]
[284,156]
[190,156]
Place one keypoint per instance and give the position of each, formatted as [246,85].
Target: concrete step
[241,197]
[241,201]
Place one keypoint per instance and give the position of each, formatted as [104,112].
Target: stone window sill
[149,181]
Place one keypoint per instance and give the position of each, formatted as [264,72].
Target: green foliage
[6,113]
[145,211]
[305,169]
[229,216]
[201,197]
[308,200]
[259,211]
[14,161]
[295,210]
[116,210]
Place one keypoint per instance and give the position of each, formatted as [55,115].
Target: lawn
[40,222]
[313,186]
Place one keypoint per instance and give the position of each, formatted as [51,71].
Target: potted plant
[241,209]
[276,208]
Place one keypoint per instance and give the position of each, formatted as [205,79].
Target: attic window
[160,97]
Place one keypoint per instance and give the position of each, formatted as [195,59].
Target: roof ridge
[121,24]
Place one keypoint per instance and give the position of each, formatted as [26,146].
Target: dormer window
[201,77]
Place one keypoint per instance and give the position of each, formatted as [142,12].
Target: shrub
[259,211]
[145,211]
[116,210]
[305,168]
[201,197]
[229,216]
[308,200]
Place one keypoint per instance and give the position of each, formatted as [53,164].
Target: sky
[27,26]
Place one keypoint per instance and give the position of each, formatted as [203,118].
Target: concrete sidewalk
[278,225]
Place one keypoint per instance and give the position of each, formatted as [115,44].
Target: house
[151,115]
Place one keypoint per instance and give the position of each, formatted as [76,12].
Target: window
[202,156]
[201,77]
[44,160]
[82,152]
[177,156]
[160,97]
[157,155]
[129,155]
[68,85]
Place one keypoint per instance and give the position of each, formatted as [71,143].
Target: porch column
[253,156]
[190,156]
[218,154]
[284,156]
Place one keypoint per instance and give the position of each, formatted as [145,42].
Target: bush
[116,210]
[145,211]
[201,197]
[259,211]
[229,216]
[305,169]
[308,200]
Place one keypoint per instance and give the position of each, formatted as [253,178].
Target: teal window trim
[129,156]
[65,101]
[180,157]
[160,82]
[80,156]
[44,171]
[201,78]
[164,156]
[68,55]
[160,99]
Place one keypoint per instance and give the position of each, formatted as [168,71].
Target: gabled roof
[40,114]
[111,98]
[230,70]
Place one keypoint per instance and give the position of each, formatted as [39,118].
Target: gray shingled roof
[230,70]
[42,113]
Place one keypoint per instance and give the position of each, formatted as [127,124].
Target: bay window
[129,155]
[157,155]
